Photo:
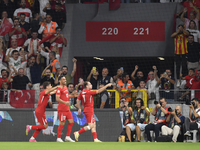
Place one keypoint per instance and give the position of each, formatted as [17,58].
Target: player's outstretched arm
[54,92]
[61,101]
[104,88]
[51,90]
[73,94]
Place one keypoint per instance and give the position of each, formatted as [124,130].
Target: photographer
[127,113]
[139,119]
[160,112]
[175,120]
[192,123]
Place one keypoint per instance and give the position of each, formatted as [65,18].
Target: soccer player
[64,113]
[87,100]
[40,110]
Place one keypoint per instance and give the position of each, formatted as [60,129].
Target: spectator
[43,4]
[193,122]
[80,86]
[8,6]
[46,54]
[4,77]
[24,24]
[140,76]
[47,28]
[46,76]
[105,79]
[13,46]
[167,82]
[70,87]
[62,2]
[180,41]
[139,93]
[58,40]
[35,71]
[160,112]
[188,78]
[57,15]
[104,99]
[24,10]
[55,64]
[127,113]
[6,37]
[65,71]
[175,121]
[15,60]
[118,76]
[190,14]
[93,77]
[33,43]
[139,119]
[125,84]
[196,84]
[153,89]
[2,55]
[193,30]
[50,104]
[35,23]
[19,82]
[17,32]
[193,53]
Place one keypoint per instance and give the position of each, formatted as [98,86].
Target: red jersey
[18,35]
[42,103]
[86,96]
[2,80]
[64,95]
[189,80]
[58,42]
[195,84]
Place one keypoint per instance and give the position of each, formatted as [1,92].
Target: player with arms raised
[40,110]
[64,113]
[86,96]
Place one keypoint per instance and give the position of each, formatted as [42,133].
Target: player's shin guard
[37,131]
[94,134]
[37,127]
[69,128]
[60,128]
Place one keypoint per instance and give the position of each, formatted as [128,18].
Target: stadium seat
[193,138]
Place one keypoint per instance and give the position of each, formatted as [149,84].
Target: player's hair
[86,83]
[60,77]
[64,67]
[45,84]
[14,51]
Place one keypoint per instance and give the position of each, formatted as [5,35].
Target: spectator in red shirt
[58,40]
[18,33]
[4,77]
[189,78]
[196,84]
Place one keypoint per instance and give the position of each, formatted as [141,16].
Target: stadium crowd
[32,34]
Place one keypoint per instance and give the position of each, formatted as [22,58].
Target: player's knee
[46,125]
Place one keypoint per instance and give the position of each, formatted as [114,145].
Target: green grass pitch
[97,146]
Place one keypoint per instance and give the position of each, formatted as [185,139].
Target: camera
[188,102]
[171,110]
[156,102]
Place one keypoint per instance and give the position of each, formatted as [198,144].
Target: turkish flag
[5,27]
[22,99]
[114,4]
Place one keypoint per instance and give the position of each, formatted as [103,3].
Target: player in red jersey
[40,110]
[64,113]
[86,96]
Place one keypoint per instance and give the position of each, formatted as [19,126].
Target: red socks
[37,127]
[59,132]
[37,131]
[81,131]
[94,135]
[69,128]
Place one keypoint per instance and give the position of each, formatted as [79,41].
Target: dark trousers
[189,125]
[181,61]
[156,128]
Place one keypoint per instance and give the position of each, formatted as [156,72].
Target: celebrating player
[87,100]
[40,110]
[64,112]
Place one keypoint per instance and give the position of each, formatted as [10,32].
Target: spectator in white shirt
[24,10]
[14,46]
[193,30]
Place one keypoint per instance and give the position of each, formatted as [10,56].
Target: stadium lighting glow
[98,58]
[161,58]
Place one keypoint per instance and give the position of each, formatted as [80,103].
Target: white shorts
[132,126]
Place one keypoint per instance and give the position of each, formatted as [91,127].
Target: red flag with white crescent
[5,27]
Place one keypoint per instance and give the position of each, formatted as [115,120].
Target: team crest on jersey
[58,91]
